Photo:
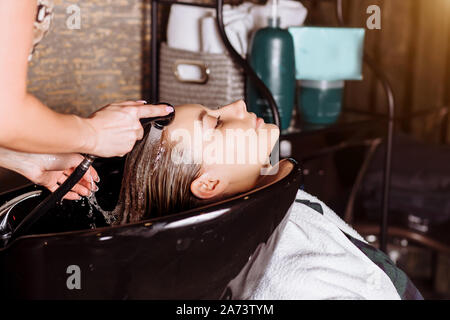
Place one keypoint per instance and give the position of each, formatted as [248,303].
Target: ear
[207,187]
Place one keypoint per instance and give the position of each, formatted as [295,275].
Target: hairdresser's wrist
[88,135]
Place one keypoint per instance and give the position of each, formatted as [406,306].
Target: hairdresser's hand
[50,170]
[116,127]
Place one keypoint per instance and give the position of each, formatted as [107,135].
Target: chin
[271,126]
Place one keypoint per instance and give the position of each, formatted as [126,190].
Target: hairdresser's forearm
[29,126]
[15,161]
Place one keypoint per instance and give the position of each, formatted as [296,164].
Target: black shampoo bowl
[190,255]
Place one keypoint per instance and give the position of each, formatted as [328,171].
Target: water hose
[51,200]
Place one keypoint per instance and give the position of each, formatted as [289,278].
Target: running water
[141,163]
[90,215]
[110,216]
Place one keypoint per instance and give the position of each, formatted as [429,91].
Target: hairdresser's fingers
[139,133]
[83,188]
[129,103]
[79,188]
[62,178]
[150,110]
[88,184]
[53,187]
[69,196]
[69,171]
[72,196]
[122,104]
[91,175]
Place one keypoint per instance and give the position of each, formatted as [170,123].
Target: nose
[238,109]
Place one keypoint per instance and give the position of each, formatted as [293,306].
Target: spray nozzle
[161,121]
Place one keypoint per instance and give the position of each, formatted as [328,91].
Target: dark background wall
[412,47]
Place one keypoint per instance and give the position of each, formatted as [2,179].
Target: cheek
[234,147]
[243,174]
[249,153]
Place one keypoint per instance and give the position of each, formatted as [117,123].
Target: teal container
[272,57]
[320,102]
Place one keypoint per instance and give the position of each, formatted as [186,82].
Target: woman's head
[204,155]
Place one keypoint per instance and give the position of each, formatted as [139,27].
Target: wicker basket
[222,82]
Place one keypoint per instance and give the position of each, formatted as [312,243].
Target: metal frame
[265,92]
[390,133]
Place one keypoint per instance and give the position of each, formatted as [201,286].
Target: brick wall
[81,70]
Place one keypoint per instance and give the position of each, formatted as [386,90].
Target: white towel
[194,28]
[183,26]
[312,260]
[237,23]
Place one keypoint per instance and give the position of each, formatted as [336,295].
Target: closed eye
[219,122]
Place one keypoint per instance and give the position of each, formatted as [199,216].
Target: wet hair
[155,185]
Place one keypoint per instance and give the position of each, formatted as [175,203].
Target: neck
[274,173]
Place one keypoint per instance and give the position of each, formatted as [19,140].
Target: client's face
[231,144]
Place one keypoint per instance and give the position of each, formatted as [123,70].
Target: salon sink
[10,180]
[189,255]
